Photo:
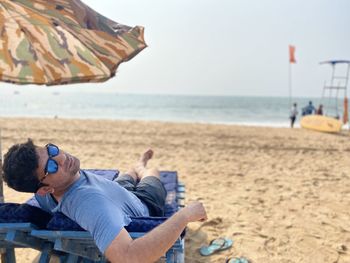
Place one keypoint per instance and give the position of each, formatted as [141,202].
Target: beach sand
[282,195]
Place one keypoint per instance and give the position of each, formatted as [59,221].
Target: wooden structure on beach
[331,121]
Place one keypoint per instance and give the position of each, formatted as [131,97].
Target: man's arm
[153,245]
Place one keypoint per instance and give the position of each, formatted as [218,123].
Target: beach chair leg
[180,253]
[72,259]
[47,254]
[44,257]
[179,257]
[85,260]
[170,256]
[91,261]
[9,256]
[177,253]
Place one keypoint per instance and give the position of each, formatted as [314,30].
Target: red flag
[291,54]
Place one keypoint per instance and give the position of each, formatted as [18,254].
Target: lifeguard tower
[334,90]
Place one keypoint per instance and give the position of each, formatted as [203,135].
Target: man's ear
[44,190]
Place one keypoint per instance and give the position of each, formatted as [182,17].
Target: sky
[229,47]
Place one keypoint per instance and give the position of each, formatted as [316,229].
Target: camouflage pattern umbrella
[61,41]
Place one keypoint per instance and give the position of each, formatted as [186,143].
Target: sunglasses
[51,166]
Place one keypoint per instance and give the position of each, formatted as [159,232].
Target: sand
[282,195]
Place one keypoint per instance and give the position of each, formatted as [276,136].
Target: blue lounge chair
[23,225]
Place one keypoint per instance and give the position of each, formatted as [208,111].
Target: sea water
[87,104]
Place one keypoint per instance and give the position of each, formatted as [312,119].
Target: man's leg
[293,120]
[131,178]
[141,166]
[150,189]
[128,180]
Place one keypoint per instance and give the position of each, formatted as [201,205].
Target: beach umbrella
[56,42]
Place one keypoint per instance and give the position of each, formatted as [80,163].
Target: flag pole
[290,85]
[291,61]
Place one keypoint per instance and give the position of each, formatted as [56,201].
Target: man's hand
[194,211]
[155,243]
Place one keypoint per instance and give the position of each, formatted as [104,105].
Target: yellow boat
[321,123]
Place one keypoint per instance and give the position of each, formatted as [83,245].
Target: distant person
[320,110]
[293,115]
[309,109]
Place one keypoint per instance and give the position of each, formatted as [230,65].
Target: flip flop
[216,245]
[237,260]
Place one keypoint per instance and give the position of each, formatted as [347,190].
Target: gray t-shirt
[98,205]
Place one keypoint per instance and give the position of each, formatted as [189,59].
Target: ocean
[91,104]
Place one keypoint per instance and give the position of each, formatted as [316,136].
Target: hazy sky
[229,47]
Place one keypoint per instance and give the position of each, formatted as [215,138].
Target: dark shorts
[149,190]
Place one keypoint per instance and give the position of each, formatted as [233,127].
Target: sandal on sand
[216,245]
[237,260]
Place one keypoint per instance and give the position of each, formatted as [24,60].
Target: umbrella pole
[1,175]
[2,251]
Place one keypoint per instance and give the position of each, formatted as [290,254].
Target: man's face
[56,167]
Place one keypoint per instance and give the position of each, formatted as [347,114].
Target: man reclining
[100,206]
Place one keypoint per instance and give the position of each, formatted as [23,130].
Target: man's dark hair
[20,164]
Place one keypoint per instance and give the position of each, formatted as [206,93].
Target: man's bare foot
[145,157]
[140,166]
